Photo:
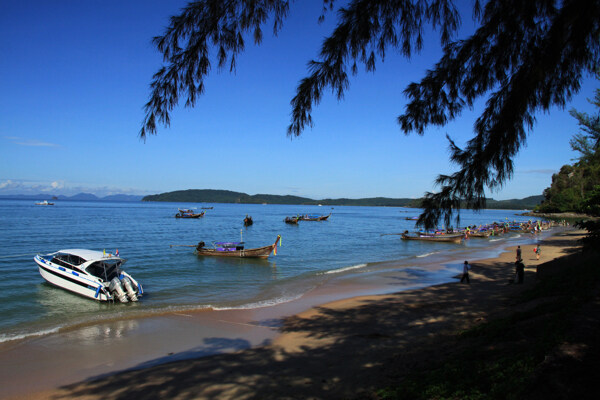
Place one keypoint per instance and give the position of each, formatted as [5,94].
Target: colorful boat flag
[117,253]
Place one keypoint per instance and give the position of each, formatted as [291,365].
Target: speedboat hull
[67,280]
[78,279]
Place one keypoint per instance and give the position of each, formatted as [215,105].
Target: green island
[227,196]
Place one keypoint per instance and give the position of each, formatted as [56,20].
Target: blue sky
[75,76]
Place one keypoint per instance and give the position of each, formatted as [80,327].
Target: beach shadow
[380,338]
[338,352]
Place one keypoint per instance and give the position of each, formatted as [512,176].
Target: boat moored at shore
[446,237]
[89,273]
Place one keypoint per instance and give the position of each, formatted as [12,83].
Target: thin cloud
[59,187]
[29,142]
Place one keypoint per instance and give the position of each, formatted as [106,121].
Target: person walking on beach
[520,270]
[537,252]
[465,275]
[518,253]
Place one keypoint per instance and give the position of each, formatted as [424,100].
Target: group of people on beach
[519,266]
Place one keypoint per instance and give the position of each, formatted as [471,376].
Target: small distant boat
[412,218]
[248,221]
[89,273]
[186,213]
[447,237]
[236,249]
[292,220]
[44,203]
[308,217]
[206,208]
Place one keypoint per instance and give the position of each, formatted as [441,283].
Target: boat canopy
[229,246]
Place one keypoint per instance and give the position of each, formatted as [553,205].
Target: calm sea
[356,243]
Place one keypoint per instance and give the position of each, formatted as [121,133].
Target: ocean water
[356,244]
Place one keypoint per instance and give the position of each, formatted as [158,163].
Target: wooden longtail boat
[188,214]
[479,234]
[314,217]
[292,220]
[236,249]
[248,221]
[448,238]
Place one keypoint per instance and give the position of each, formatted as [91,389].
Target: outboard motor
[129,288]
[117,290]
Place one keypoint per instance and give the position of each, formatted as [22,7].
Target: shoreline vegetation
[488,339]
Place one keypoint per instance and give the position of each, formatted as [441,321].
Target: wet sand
[335,350]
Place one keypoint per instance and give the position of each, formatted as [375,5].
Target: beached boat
[44,203]
[248,221]
[292,220]
[89,273]
[308,217]
[185,213]
[479,234]
[447,237]
[236,249]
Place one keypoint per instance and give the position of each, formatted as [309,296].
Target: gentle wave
[427,254]
[344,269]
[8,338]
[259,304]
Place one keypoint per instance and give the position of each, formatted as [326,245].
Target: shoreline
[169,343]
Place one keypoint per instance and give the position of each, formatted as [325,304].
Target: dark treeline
[227,196]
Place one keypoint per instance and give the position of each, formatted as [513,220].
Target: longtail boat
[248,221]
[236,249]
[308,217]
[292,220]
[185,213]
[479,234]
[448,237]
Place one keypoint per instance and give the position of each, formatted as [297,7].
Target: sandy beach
[342,349]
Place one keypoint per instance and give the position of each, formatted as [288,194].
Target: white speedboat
[90,273]
[44,203]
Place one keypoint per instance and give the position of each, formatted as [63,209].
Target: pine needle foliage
[524,57]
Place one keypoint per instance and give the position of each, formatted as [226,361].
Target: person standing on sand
[520,269]
[537,252]
[518,253]
[465,275]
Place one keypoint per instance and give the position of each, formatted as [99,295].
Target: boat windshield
[105,269]
[68,260]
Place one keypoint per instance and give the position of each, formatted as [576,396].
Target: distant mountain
[227,196]
[84,197]
[528,203]
[122,197]
[77,197]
